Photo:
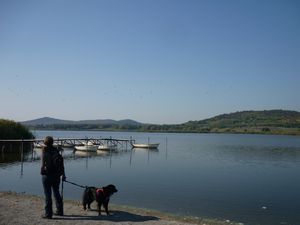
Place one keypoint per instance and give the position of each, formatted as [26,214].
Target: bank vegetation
[12,130]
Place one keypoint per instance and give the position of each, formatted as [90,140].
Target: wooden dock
[72,142]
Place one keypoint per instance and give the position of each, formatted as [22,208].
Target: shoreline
[20,208]
[294,132]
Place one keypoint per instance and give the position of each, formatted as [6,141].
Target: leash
[75,184]
[62,187]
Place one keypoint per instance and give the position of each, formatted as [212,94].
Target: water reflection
[31,154]
[259,154]
[149,152]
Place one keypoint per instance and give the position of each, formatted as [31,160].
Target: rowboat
[152,145]
[87,147]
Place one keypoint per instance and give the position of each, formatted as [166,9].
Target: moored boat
[41,145]
[38,145]
[87,147]
[149,145]
[67,145]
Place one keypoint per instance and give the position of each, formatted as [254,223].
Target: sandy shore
[16,209]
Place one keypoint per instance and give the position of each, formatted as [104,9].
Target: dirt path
[16,209]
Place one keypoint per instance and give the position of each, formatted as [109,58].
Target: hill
[266,122]
[271,118]
[52,123]
[46,121]
[258,122]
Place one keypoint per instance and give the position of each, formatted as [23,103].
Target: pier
[72,142]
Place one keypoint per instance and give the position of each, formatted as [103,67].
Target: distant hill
[47,121]
[267,118]
[253,122]
[250,122]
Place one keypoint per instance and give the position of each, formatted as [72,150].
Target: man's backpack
[54,162]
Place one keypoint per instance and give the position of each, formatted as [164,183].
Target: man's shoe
[46,217]
[58,214]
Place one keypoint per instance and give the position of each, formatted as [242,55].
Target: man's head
[48,141]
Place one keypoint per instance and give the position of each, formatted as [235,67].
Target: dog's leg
[99,208]
[84,198]
[84,205]
[105,205]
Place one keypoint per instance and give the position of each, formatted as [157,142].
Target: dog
[100,195]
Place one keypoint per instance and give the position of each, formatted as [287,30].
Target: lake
[252,179]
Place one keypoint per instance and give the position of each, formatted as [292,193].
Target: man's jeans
[52,182]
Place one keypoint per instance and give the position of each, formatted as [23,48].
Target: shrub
[13,130]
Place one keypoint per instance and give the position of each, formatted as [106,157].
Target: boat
[149,145]
[87,147]
[67,145]
[41,145]
[38,145]
[107,147]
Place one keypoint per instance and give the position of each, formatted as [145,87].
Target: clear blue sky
[154,61]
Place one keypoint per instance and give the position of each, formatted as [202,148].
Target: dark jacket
[46,163]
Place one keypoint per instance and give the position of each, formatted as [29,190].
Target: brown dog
[101,195]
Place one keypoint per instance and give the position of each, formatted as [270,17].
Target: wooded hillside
[259,122]
[254,122]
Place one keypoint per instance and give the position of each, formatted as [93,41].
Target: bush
[266,129]
[13,130]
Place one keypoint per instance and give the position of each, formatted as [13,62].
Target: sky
[153,61]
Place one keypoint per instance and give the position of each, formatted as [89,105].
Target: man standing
[52,168]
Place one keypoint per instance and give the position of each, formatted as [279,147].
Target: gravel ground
[22,209]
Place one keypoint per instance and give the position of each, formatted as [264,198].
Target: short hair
[48,141]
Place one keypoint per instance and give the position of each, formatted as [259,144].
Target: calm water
[252,179]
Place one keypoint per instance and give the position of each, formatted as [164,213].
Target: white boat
[38,145]
[41,145]
[87,147]
[152,145]
[67,145]
[107,147]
